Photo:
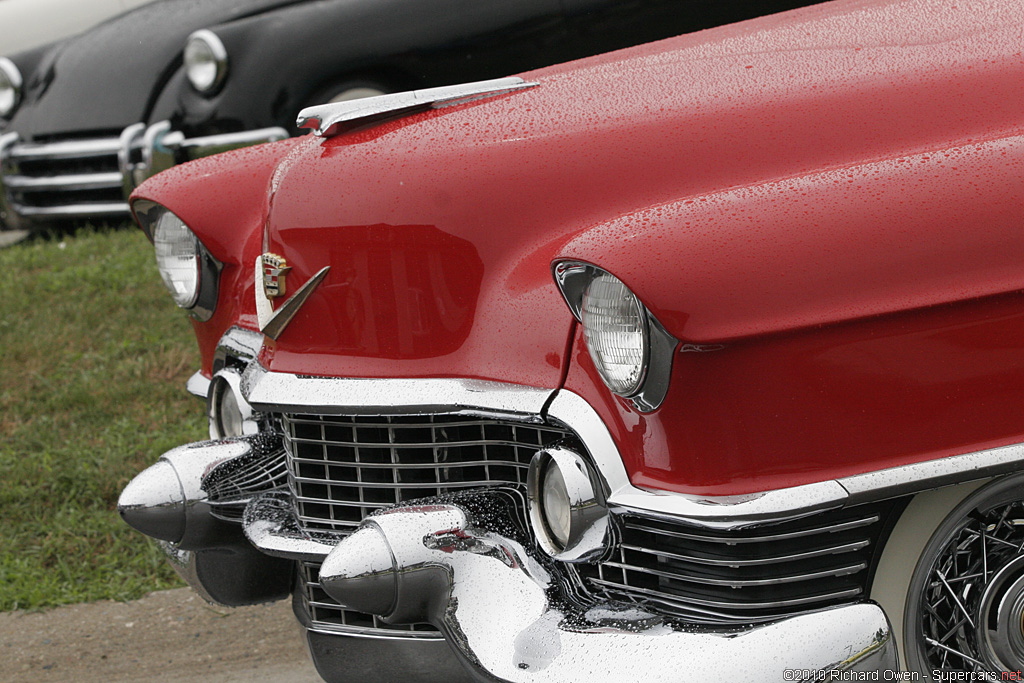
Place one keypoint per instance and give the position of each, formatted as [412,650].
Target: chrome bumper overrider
[463,567]
[92,178]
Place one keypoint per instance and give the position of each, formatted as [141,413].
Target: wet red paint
[833,194]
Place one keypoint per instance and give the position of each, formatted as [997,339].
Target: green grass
[93,360]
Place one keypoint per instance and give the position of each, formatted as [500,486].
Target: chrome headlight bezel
[10,88]
[202,302]
[648,390]
[206,61]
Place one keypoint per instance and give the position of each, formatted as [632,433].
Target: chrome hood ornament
[271,270]
[337,117]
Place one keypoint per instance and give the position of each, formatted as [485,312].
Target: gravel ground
[169,635]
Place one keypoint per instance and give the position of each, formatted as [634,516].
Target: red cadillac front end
[696,360]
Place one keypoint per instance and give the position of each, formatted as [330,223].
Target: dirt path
[170,635]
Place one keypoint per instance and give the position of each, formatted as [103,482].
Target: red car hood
[745,180]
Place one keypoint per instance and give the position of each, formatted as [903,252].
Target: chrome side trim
[717,512]
[337,117]
[727,512]
[275,392]
[906,479]
[285,392]
[499,607]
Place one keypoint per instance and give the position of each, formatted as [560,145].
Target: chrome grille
[342,468]
[74,178]
[328,615]
[756,575]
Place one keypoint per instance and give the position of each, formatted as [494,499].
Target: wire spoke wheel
[966,600]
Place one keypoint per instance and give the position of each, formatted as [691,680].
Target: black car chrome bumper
[78,179]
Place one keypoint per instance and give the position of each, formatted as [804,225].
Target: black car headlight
[630,349]
[10,87]
[187,269]
[206,61]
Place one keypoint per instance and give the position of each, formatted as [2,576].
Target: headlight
[629,347]
[615,327]
[10,87]
[568,516]
[187,269]
[206,61]
[177,258]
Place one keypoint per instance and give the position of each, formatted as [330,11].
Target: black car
[84,121]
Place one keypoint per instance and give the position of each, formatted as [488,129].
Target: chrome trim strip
[275,391]
[931,474]
[197,385]
[336,117]
[369,632]
[733,562]
[638,524]
[85,181]
[709,511]
[73,210]
[285,392]
[196,148]
[68,149]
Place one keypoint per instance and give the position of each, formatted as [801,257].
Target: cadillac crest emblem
[275,268]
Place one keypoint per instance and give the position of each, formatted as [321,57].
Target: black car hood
[108,77]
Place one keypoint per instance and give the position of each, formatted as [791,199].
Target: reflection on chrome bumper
[466,567]
[92,178]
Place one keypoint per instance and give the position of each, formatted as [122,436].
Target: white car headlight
[615,326]
[190,273]
[206,61]
[630,348]
[177,258]
[10,87]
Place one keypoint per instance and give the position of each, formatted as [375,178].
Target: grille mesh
[731,577]
[342,468]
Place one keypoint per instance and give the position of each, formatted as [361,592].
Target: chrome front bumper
[91,178]
[508,614]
